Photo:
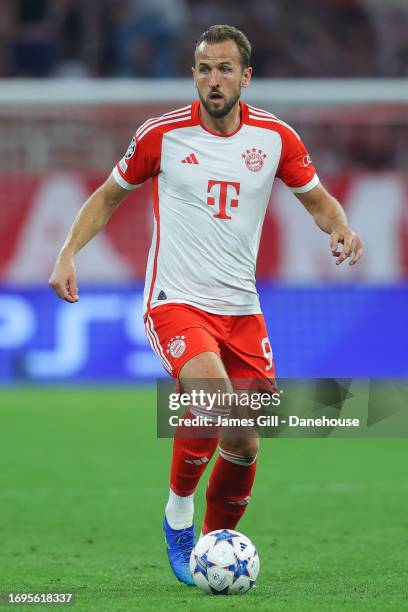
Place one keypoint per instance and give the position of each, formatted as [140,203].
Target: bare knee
[206,365]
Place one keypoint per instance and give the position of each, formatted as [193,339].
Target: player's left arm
[329,215]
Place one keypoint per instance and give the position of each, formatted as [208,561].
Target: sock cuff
[179,498]
[181,492]
[236,458]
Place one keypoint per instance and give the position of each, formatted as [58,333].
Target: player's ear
[193,70]
[246,77]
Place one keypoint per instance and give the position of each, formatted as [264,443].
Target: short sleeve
[295,168]
[140,162]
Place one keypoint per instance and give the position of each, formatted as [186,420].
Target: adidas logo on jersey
[190,159]
[162,296]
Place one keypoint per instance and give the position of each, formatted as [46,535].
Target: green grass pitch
[83,483]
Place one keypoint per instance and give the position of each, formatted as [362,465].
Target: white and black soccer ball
[224,562]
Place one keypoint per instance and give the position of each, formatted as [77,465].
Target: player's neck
[224,125]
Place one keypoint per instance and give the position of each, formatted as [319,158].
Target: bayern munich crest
[254,159]
[176,346]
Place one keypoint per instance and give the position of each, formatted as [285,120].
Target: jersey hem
[230,311]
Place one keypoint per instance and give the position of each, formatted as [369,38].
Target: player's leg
[231,480]
[180,335]
[192,453]
[248,359]
[232,477]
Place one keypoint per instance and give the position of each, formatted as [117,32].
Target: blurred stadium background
[80,76]
[85,478]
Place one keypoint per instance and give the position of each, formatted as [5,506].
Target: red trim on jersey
[171,115]
[175,111]
[145,163]
[196,114]
[164,126]
[156,253]
[290,167]
[260,111]
[172,120]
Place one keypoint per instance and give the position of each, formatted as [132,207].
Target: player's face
[219,77]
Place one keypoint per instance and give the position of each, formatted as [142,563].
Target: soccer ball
[224,562]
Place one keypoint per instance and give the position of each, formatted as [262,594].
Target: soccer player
[213,164]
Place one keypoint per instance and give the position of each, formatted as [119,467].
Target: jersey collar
[196,115]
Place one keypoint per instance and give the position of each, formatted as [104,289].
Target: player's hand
[352,246]
[63,278]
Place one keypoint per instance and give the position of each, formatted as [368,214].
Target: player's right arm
[140,162]
[92,217]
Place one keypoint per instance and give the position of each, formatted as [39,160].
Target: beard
[218,112]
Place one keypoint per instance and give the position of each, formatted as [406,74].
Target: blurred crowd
[154,38]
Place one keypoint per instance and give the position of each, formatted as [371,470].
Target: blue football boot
[180,543]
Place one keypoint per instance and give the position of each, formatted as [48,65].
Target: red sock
[190,458]
[228,493]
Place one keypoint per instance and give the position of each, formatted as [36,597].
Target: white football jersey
[210,197]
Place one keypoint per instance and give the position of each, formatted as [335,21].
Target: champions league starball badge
[131,148]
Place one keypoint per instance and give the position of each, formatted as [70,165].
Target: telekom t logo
[223,202]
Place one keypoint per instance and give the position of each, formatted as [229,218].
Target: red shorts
[178,332]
